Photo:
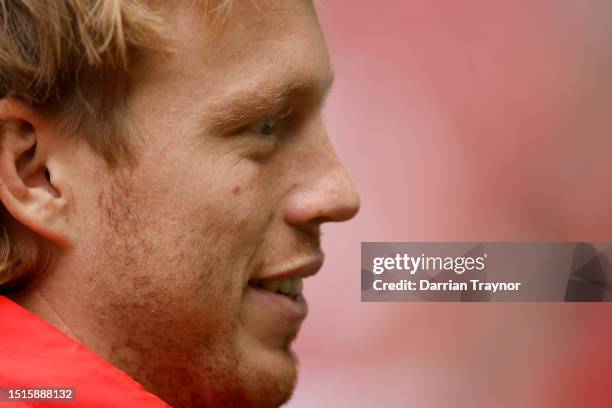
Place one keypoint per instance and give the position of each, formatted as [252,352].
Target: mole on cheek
[236,190]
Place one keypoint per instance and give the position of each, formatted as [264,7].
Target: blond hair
[73,59]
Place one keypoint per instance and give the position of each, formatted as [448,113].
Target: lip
[302,269]
[293,310]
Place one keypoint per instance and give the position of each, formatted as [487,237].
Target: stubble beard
[186,367]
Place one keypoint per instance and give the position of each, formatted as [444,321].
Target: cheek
[167,268]
[201,215]
[209,227]
[231,205]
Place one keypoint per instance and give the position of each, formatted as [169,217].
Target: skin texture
[150,262]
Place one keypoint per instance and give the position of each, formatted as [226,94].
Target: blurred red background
[464,121]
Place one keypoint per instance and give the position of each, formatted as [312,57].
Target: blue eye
[272,124]
[266,127]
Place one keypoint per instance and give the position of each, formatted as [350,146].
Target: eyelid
[274,118]
[281,114]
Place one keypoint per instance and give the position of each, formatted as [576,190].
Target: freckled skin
[156,282]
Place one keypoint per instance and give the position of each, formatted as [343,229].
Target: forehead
[260,44]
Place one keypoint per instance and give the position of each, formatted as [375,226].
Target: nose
[325,192]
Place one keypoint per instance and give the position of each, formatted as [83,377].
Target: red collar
[35,354]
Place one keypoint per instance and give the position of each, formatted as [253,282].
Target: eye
[271,125]
[265,127]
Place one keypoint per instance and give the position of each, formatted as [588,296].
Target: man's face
[235,175]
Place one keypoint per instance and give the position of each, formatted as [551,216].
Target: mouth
[282,291]
[288,287]
[278,301]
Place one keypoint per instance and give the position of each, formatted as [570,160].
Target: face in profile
[188,267]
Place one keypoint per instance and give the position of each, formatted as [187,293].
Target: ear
[30,176]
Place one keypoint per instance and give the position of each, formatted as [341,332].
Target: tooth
[297,286]
[271,285]
[286,286]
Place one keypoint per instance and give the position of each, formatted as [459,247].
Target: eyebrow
[237,108]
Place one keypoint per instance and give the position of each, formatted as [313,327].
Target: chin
[272,378]
[265,380]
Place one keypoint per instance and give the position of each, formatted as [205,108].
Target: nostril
[327,201]
[347,201]
[347,210]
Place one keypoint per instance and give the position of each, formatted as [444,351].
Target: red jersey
[36,355]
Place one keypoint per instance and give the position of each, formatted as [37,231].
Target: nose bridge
[324,190]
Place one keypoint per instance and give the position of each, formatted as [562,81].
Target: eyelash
[268,126]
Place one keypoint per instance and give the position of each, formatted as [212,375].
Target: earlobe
[27,190]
